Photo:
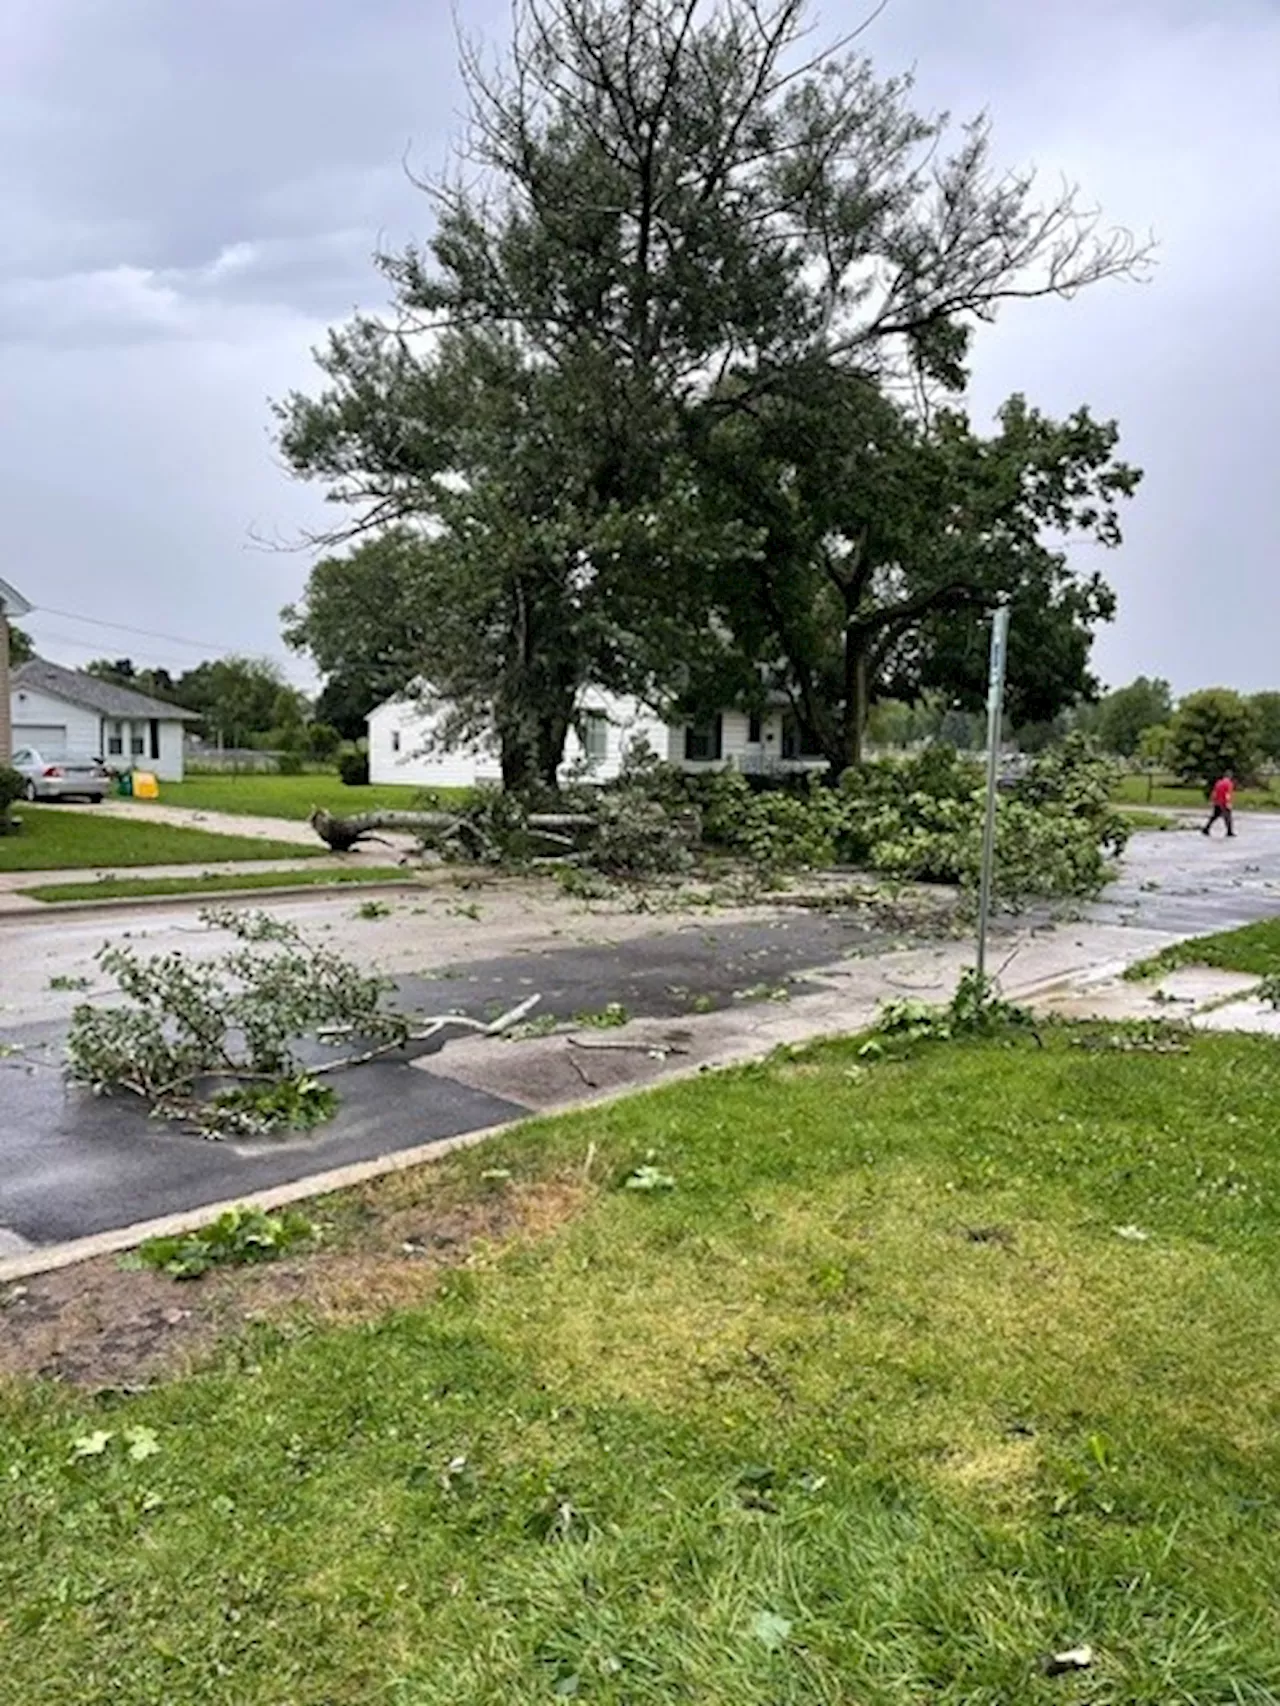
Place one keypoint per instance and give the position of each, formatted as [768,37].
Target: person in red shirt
[1223,794]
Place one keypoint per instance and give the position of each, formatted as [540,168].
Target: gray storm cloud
[192,193]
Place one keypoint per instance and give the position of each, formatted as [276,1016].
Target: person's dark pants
[1223,812]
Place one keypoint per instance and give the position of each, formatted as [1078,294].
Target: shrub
[353,768]
[323,741]
[290,764]
[12,787]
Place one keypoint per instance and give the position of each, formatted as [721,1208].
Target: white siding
[40,710]
[168,767]
[627,722]
[400,733]
[88,734]
[737,750]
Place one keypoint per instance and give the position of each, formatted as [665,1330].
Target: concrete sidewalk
[190,817]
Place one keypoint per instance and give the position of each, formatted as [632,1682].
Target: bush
[323,741]
[353,768]
[289,764]
[12,787]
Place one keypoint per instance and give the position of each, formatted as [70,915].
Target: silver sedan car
[60,779]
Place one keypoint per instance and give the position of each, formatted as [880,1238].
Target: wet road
[72,1164]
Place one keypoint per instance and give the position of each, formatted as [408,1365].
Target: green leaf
[90,1445]
[142,1443]
[771,1630]
[650,1179]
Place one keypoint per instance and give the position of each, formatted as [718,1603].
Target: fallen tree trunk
[343,833]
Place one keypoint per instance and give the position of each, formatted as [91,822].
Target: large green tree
[1214,732]
[235,697]
[365,619]
[1123,714]
[158,683]
[21,646]
[672,211]
[1266,708]
[883,541]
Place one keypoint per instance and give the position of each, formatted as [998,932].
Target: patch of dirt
[100,1325]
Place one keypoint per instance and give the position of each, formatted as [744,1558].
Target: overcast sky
[192,190]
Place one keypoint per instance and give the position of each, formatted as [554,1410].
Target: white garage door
[49,739]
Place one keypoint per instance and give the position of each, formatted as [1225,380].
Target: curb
[429,877]
[208,897]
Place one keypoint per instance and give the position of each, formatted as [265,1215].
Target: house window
[137,745]
[753,731]
[395,740]
[595,736]
[115,740]
[703,742]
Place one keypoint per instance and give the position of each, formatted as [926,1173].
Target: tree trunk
[553,731]
[343,833]
[518,768]
[854,713]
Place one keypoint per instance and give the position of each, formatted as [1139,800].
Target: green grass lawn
[919,1371]
[1137,819]
[1255,949]
[1132,791]
[211,882]
[53,839]
[290,796]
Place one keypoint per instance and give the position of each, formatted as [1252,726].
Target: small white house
[402,734]
[65,714]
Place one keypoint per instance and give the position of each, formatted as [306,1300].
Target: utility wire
[128,628]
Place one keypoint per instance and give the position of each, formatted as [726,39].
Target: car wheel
[29,792]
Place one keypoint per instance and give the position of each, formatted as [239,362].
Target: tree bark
[854,716]
[343,833]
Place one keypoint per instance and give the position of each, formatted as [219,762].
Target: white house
[402,731]
[64,714]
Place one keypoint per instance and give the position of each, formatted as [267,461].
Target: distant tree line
[241,702]
[1205,734]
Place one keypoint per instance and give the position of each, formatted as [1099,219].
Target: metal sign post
[995,719]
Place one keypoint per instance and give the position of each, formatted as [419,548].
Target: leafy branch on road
[187,1026]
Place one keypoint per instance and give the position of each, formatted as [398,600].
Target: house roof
[38,675]
[12,603]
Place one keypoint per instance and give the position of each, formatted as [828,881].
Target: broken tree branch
[343,833]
